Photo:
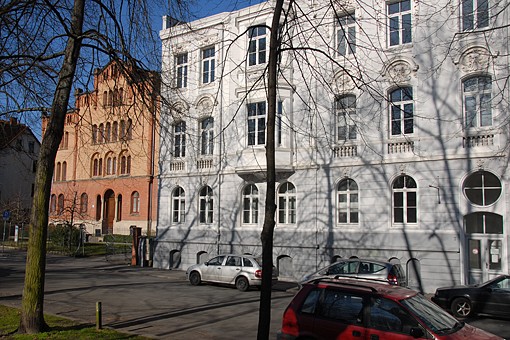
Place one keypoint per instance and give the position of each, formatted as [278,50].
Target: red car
[328,308]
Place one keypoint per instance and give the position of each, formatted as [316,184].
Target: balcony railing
[176,166]
[400,147]
[476,141]
[206,163]
[345,151]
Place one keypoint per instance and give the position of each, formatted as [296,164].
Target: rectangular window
[478,101]
[180,139]
[257,46]
[207,136]
[208,65]
[345,111]
[346,34]
[402,111]
[399,22]
[181,70]
[257,123]
[475,14]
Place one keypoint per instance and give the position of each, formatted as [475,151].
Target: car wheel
[462,308]
[242,284]
[194,278]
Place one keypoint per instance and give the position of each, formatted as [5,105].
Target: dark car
[350,309]
[491,298]
[388,272]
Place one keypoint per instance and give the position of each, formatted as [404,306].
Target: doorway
[486,255]
[109,211]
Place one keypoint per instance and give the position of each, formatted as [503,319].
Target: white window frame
[208,65]
[399,22]
[181,70]
[179,139]
[206,205]
[207,136]
[287,203]
[475,14]
[401,111]
[178,205]
[481,114]
[345,109]
[256,123]
[347,202]
[250,204]
[346,34]
[408,189]
[257,45]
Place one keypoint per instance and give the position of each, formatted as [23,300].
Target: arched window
[94,134]
[58,172]
[98,207]
[135,202]
[105,98]
[129,129]
[250,204]
[402,111]
[64,171]
[119,207]
[101,134]
[84,198]
[345,115]
[115,131]
[53,203]
[109,165]
[100,167]
[477,100]
[125,164]
[122,136]
[121,96]
[405,207]
[114,165]
[347,202]
[110,98]
[60,204]
[178,205]
[95,167]
[287,204]
[482,188]
[206,205]
[108,133]
[207,136]
[115,97]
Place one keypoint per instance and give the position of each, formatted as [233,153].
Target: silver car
[242,271]
[387,272]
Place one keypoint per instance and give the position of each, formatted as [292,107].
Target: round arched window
[482,188]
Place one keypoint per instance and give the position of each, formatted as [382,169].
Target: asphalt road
[158,304]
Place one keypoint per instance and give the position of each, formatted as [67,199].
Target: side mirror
[417,332]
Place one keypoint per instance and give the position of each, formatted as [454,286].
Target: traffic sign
[6,215]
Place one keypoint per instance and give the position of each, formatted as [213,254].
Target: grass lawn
[61,329]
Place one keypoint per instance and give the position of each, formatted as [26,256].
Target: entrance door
[485,246]
[109,211]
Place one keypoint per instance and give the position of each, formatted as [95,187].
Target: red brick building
[105,168]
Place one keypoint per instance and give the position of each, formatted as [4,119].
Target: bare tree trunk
[270,210]
[32,316]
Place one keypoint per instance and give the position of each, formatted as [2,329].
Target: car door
[497,298]
[230,269]
[386,319]
[211,269]
[339,315]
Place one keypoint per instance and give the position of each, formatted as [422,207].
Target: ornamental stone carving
[342,82]
[399,71]
[475,59]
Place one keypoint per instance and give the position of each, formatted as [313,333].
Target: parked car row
[365,299]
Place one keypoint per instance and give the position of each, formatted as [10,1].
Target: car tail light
[258,273]
[392,279]
[289,323]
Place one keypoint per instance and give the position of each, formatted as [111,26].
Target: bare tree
[47,47]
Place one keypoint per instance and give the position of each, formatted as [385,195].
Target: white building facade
[391,137]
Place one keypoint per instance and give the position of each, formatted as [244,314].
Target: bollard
[99,316]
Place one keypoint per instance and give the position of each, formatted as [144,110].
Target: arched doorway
[109,211]
[285,267]
[485,246]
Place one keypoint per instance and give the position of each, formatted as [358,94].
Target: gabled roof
[10,130]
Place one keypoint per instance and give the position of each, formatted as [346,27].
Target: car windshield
[432,315]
